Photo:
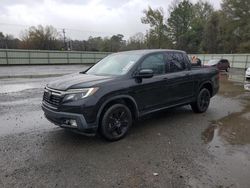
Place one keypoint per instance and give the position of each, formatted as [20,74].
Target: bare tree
[43,38]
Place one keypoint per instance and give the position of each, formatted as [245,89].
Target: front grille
[53,98]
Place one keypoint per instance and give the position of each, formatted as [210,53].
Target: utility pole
[64,40]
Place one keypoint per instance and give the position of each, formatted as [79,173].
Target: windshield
[115,64]
[212,62]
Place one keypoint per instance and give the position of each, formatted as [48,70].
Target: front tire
[202,102]
[116,122]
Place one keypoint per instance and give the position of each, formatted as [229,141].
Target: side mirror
[145,73]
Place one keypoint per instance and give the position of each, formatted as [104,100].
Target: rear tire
[202,102]
[227,70]
[116,122]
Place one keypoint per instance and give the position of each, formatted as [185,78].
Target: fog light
[72,123]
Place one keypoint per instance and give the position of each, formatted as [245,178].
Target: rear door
[180,83]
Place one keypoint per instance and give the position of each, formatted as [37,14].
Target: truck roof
[147,51]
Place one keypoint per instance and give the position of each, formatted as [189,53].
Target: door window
[175,62]
[154,62]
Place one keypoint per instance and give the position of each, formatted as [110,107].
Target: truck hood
[77,81]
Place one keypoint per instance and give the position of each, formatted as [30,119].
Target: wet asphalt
[173,148]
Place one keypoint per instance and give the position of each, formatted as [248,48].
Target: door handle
[165,78]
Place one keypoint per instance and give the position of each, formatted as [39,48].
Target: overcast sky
[81,18]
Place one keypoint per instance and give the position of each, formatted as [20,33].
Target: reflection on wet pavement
[230,88]
[234,128]
[228,138]
[236,78]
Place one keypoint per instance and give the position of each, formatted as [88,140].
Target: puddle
[229,141]
[231,163]
[229,88]
[235,127]
[15,88]
[233,85]
[228,138]
[236,78]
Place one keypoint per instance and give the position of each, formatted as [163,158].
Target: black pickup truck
[109,96]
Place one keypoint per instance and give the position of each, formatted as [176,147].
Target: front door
[150,93]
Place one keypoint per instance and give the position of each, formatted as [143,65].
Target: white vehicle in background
[248,73]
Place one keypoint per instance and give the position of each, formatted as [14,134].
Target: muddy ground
[173,148]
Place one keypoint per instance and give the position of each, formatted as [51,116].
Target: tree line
[193,27]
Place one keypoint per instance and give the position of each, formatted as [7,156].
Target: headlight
[77,94]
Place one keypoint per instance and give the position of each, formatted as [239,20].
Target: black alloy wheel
[116,122]
[203,100]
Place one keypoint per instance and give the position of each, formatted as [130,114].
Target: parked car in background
[221,64]
[248,73]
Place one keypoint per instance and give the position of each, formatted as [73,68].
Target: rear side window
[175,62]
[156,62]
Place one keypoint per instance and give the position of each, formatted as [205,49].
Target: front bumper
[60,119]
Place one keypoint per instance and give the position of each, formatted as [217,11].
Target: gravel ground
[173,148]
